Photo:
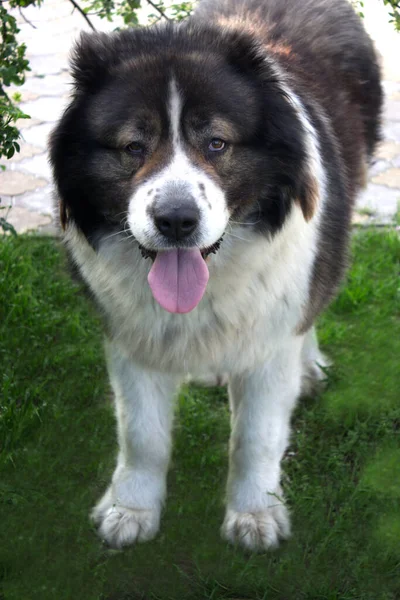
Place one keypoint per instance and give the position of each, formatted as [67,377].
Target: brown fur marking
[309,200]
[153,164]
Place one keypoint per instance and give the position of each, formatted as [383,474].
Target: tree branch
[162,13]
[84,15]
[25,19]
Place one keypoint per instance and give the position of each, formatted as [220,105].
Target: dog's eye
[216,145]
[135,148]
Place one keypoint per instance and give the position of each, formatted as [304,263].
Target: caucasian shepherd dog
[206,173]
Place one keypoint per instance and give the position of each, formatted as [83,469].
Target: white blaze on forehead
[175,111]
[198,185]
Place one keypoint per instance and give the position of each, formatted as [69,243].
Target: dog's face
[174,134]
[182,145]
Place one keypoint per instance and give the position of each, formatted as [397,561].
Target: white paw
[257,531]
[120,526]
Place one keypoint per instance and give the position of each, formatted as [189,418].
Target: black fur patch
[218,74]
[236,68]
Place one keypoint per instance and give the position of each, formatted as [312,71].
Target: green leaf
[6,226]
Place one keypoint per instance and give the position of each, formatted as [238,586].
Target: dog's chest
[254,299]
[227,331]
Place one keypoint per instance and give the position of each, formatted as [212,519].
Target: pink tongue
[178,279]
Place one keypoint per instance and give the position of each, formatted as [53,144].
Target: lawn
[58,445]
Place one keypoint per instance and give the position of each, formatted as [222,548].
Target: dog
[206,173]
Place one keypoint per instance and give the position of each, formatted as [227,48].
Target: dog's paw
[257,531]
[120,526]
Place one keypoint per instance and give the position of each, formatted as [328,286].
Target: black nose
[177,223]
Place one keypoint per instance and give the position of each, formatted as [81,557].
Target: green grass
[58,446]
[367,211]
[397,214]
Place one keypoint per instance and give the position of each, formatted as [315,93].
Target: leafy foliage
[109,9]
[4,224]
[394,7]
[13,66]
[127,10]
[395,14]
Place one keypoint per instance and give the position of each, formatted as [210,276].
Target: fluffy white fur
[245,326]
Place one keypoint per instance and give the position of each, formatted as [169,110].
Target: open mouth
[178,277]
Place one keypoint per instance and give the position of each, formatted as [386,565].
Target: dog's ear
[95,55]
[246,55]
[285,136]
[91,59]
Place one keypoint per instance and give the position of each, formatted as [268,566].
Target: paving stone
[27,151]
[49,64]
[45,109]
[361,218]
[377,167]
[51,85]
[391,131]
[392,110]
[13,183]
[38,135]
[49,32]
[26,95]
[49,229]
[391,88]
[391,178]
[61,43]
[24,220]
[38,201]
[22,124]
[38,165]
[388,150]
[380,199]
[49,11]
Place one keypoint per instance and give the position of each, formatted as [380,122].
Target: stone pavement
[26,183]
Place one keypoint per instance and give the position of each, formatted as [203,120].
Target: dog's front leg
[130,509]
[261,405]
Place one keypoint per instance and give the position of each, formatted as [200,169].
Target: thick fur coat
[235,144]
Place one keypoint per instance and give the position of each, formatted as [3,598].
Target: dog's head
[173,134]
